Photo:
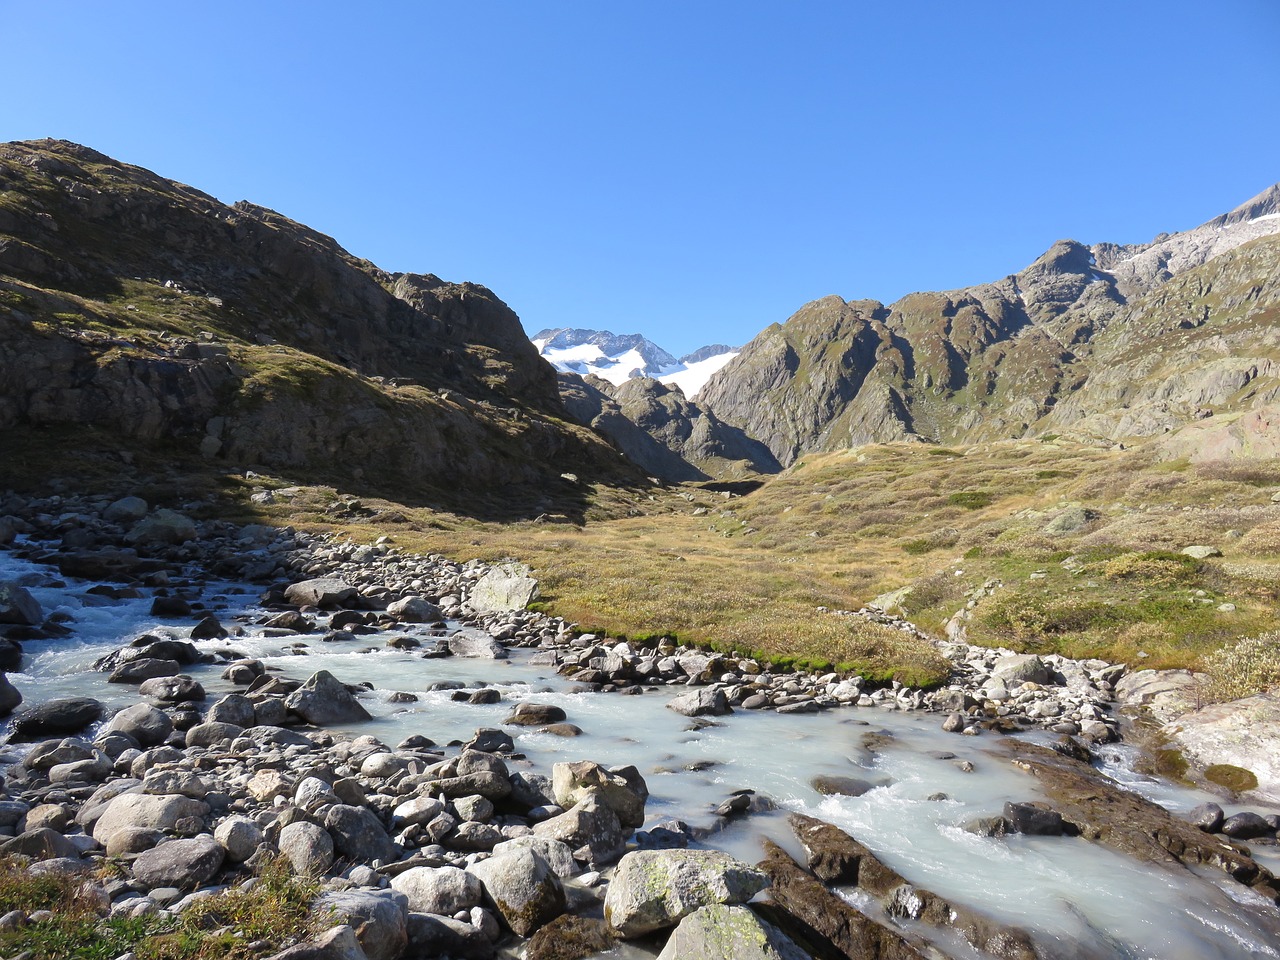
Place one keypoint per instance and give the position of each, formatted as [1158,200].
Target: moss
[1236,779]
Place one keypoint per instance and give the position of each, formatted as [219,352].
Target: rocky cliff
[147,309]
[1080,340]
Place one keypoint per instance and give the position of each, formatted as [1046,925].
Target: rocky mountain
[146,309]
[617,359]
[1065,344]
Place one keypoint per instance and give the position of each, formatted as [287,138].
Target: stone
[704,701]
[126,510]
[570,782]
[652,889]
[1208,817]
[163,526]
[1030,819]
[416,810]
[208,629]
[143,722]
[324,700]
[358,834]
[10,696]
[590,829]
[144,668]
[1021,668]
[475,644]
[58,716]
[505,587]
[17,605]
[414,610]
[239,837]
[1200,552]
[557,855]
[529,714]
[336,943]
[326,592]
[308,848]
[523,888]
[146,811]
[129,841]
[439,890]
[720,932]
[180,863]
[380,919]
[831,785]
[569,938]
[211,734]
[436,936]
[179,689]
[233,708]
[1246,826]
[40,843]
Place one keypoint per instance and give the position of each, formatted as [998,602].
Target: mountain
[1062,345]
[141,308]
[617,359]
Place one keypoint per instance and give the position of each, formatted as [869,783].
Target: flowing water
[1068,891]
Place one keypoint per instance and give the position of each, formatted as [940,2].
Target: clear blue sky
[691,170]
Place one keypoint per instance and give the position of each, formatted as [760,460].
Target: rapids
[1064,890]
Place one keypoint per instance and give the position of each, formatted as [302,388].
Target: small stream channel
[1064,890]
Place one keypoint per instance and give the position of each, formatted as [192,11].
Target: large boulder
[358,834]
[379,918]
[320,592]
[507,586]
[720,932]
[239,836]
[17,605]
[530,714]
[10,696]
[523,887]
[558,855]
[590,829]
[40,843]
[323,699]
[700,702]
[180,863]
[58,716]
[126,510]
[652,889]
[1021,668]
[475,644]
[308,848]
[163,526]
[626,797]
[414,610]
[147,811]
[143,722]
[336,943]
[440,890]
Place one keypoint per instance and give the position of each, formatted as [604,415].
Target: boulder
[570,782]
[163,526]
[320,592]
[1209,817]
[570,938]
[147,725]
[475,644]
[10,696]
[440,890]
[416,810]
[126,510]
[507,586]
[414,610]
[239,837]
[1246,826]
[831,785]
[703,701]
[380,919]
[308,848]
[358,834]
[436,936]
[720,932]
[590,829]
[146,811]
[558,855]
[179,689]
[652,889]
[336,943]
[144,668]
[529,714]
[180,863]
[1021,668]
[17,605]
[58,716]
[40,843]
[324,700]
[1200,552]
[233,708]
[523,887]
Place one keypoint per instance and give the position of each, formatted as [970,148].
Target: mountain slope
[145,308]
[980,363]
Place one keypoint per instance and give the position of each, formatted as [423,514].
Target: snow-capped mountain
[620,358]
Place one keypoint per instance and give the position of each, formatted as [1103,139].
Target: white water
[1068,891]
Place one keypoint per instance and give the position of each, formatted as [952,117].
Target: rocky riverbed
[190,755]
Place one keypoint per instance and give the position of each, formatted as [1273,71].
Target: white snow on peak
[694,376]
[590,359]
[1265,216]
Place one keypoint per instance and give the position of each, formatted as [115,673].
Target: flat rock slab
[652,889]
[320,592]
[506,587]
[1244,733]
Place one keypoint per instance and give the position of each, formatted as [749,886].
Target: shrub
[1248,666]
[1157,568]
[971,499]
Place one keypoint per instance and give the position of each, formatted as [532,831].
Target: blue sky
[690,170]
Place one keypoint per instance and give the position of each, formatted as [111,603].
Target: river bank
[333,700]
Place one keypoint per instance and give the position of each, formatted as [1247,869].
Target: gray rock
[720,932]
[1246,826]
[1200,552]
[308,848]
[380,919]
[10,696]
[507,586]
[416,810]
[703,701]
[320,592]
[475,644]
[144,668]
[436,936]
[528,714]
[570,782]
[1021,668]
[17,605]
[180,863]
[62,715]
[590,829]
[523,887]
[163,526]
[439,890]
[358,834]
[239,837]
[210,734]
[179,689]
[336,943]
[1209,817]
[652,889]
[126,510]
[324,700]
[146,811]
[414,610]
[143,722]
[233,708]
[40,843]
[557,855]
